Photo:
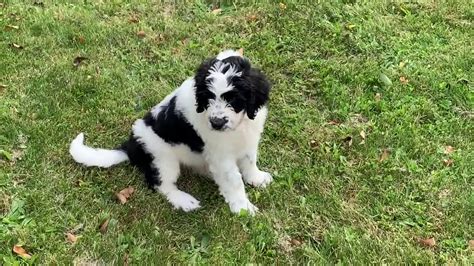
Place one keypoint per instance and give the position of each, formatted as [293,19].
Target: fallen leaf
[241,51]
[141,34]
[362,134]
[471,244]
[216,11]
[313,143]
[403,80]
[378,97]
[78,60]
[17,46]
[133,20]
[384,80]
[448,162]
[104,226]
[428,242]
[348,139]
[282,6]
[81,39]
[333,123]
[252,17]
[11,27]
[448,149]
[71,238]
[3,86]
[295,242]
[385,155]
[124,194]
[21,252]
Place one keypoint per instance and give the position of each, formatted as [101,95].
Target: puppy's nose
[218,123]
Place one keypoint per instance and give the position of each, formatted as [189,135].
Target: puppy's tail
[95,157]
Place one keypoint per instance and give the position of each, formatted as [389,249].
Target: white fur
[94,157]
[230,156]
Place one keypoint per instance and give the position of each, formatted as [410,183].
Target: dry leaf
[362,134]
[252,17]
[216,11]
[17,46]
[448,149]
[428,242]
[71,238]
[282,6]
[78,60]
[241,51]
[81,39]
[133,20]
[21,252]
[124,194]
[403,80]
[378,97]
[333,123]
[348,139]
[3,86]
[295,242]
[448,162]
[384,155]
[11,27]
[141,34]
[104,226]
[471,244]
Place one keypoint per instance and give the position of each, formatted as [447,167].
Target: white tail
[95,157]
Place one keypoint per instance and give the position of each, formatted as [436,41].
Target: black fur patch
[142,160]
[172,127]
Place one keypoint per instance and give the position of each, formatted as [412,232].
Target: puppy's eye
[229,96]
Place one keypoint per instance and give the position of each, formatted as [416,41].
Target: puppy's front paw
[261,179]
[244,204]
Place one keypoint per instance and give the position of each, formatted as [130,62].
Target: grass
[335,199]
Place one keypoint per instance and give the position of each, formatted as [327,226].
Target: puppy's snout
[218,123]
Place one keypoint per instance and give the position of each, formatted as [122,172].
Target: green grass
[331,202]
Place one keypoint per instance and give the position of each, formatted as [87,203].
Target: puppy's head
[229,90]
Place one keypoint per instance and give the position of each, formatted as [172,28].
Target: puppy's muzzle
[218,123]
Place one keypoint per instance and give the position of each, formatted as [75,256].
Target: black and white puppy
[211,123]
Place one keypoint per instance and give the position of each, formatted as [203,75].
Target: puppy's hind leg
[169,171]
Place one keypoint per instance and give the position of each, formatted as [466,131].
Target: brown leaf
[78,60]
[448,149]
[21,252]
[133,19]
[471,244]
[378,97]
[104,226]
[241,51]
[384,156]
[448,162]
[11,27]
[348,139]
[141,34]
[252,17]
[403,80]
[71,238]
[16,46]
[333,123]
[216,11]
[295,242]
[81,39]
[362,134]
[124,194]
[428,242]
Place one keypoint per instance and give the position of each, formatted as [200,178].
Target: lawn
[370,135]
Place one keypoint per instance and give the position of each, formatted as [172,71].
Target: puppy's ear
[202,92]
[257,90]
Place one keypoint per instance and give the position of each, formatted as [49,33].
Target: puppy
[212,123]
